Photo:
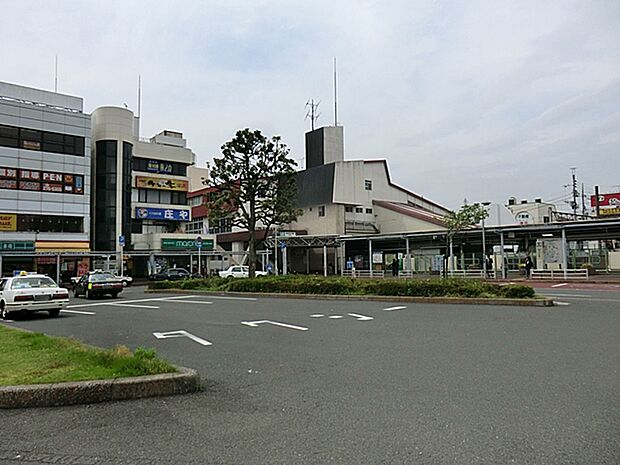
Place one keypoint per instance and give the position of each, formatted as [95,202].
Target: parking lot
[292,381]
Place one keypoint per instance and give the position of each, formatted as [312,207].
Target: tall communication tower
[312,113]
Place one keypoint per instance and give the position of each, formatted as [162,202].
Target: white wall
[389,221]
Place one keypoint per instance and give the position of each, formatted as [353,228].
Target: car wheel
[114,295]
[124,283]
[4,313]
[54,312]
[87,294]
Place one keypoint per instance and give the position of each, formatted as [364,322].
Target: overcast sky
[481,100]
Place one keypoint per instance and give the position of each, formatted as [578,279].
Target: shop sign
[33,180]
[147,182]
[185,244]
[16,246]
[162,214]
[377,257]
[8,222]
[606,200]
[609,211]
[160,167]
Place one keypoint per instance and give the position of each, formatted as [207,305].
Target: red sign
[29,186]
[606,200]
[8,184]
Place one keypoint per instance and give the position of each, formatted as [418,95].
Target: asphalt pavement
[343,382]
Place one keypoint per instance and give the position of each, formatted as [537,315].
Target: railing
[560,274]
[363,274]
[479,274]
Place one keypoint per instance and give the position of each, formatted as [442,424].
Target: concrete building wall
[37,109]
[389,222]
[331,223]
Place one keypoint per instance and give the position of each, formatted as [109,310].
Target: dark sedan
[173,274]
[97,284]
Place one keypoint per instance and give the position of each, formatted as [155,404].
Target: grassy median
[304,284]
[33,358]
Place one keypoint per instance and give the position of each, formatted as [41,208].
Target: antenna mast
[56,75]
[139,102]
[312,113]
[335,95]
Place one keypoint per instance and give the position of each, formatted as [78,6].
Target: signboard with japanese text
[8,222]
[159,167]
[615,211]
[606,200]
[16,246]
[185,244]
[147,182]
[147,213]
[46,181]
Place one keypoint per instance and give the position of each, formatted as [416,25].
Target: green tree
[467,216]
[254,186]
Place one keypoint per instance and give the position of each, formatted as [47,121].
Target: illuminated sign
[147,182]
[8,222]
[46,181]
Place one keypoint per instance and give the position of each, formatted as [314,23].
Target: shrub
[517,291]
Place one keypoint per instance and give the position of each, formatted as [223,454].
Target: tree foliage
[467,216]
[254,185]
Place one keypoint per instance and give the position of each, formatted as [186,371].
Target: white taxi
[30,292]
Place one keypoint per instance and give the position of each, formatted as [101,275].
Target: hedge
[303,284]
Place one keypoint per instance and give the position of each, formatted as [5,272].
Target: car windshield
[32,282]
[101,277]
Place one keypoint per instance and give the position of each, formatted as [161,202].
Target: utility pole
[575,192]
[583,200]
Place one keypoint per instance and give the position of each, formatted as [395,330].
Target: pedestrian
[489,265]
[528,267]
[394,267]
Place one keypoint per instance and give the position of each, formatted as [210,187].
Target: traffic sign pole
[199,245]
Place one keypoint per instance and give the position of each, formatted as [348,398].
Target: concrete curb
[373,298]
[89,392]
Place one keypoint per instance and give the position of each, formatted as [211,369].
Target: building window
[195,201]
[322,210]
[545,219]
[194,226]
[359,210]
[348,209]
[49,223]
[147,165]
[369,211]
[368,184]
[33,139]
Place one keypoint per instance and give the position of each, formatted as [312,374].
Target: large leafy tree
[254,185]
[466,217]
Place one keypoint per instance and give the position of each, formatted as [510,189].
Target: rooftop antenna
[139,102]
[335,95]
[56,75]
[312,113]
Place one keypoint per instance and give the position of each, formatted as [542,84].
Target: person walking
[529,264]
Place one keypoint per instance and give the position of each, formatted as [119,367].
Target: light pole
[484,244]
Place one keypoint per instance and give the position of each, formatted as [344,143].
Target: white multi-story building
[45,179]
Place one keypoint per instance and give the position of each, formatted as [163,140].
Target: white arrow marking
[254,324]
[390,309]
[78,312]
[360,317]
[182,333]
[560,285]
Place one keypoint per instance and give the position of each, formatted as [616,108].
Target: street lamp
[484,244]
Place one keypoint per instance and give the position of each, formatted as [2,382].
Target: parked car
[97,283]
[173,274]
[31,293]
[239,271]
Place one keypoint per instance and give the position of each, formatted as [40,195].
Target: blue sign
[121,241]
[349,264]
[162,214]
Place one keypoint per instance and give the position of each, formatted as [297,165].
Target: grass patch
[303,284]
[33,358]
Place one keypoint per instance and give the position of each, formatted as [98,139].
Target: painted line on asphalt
[391,309]
[132,305]
[182,333]
[317,315]
[192,302]
[152,299]
[78,312]
[568,295]
[560,285]
[229,298]
[561,303]
[359,317]
[335,317]
[254,324]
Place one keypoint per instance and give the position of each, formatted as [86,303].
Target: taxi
[31,292]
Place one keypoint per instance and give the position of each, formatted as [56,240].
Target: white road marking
[152,299]
[192,302]
[335,317]
[568,295]
[560,285]
[132,305]
[391,309]
[317,315]
[182,333]
[254,324]
[360,317]
[229,298]
[78,312]
[561,303]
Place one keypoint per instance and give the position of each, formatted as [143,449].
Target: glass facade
[32,139]
[105,195]
[126,192]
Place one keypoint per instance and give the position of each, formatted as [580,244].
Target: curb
[185,381]
[373,298]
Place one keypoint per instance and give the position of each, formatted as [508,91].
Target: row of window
[349,209]
[159,166]
[33,139]
[50,223]
[159,196]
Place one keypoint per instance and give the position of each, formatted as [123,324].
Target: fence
[363,274]
[471,274]
[560,274]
